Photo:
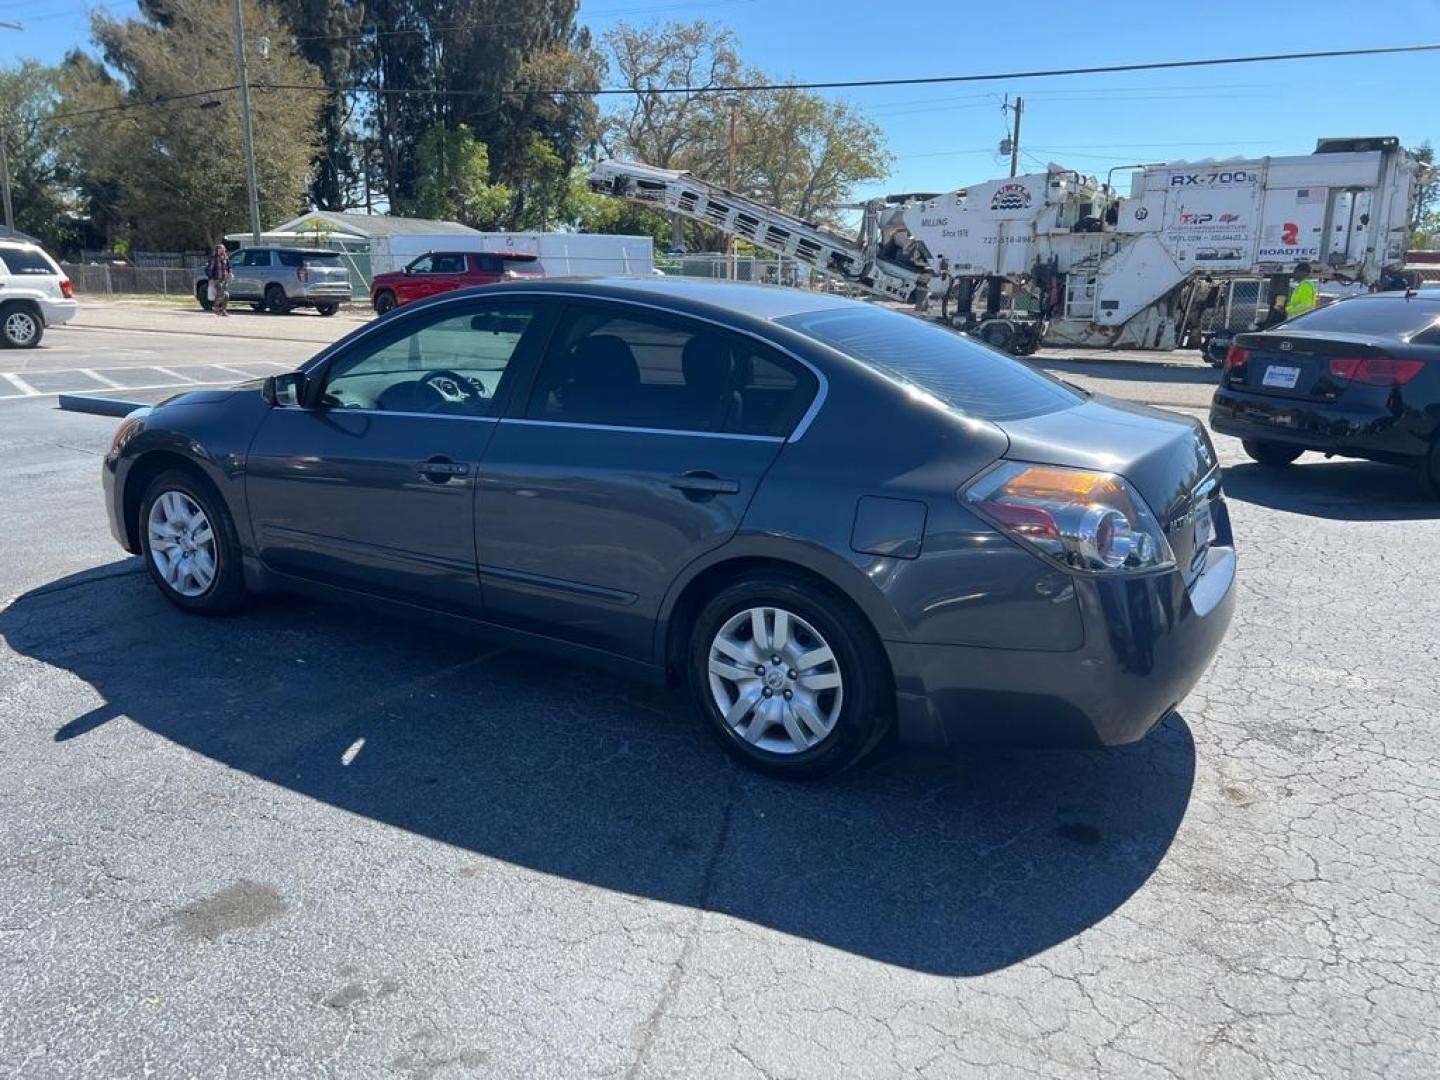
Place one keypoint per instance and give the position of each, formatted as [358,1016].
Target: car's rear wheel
[384,302]
[275,300]
[327,309]
[1430,470]
[1271,453]
[190,545]
[789,676]
[21,326]
[202,294]
[259,306]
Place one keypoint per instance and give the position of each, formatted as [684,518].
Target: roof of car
[767,302]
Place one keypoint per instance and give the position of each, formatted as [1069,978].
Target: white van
[34,294]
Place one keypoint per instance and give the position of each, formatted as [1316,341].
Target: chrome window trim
[349,410]
[686,432]
[822,390]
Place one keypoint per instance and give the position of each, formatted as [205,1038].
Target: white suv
[34,294]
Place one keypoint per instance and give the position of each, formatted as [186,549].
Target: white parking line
[26,390]
[101,378]
[173,374]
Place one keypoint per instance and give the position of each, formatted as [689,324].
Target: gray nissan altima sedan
[825,519]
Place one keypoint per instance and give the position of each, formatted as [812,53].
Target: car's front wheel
[190,545]
[384,302]
[789,676]
[1271,453]
[202,295]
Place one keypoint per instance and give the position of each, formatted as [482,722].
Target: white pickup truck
[34,294]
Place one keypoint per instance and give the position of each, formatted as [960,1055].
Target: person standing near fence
[218,271]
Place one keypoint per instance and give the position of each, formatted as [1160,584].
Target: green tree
[454,180]
[327,35]
[1425,211]
[176,167]
[40,179]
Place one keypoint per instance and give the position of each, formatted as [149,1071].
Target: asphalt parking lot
[300,842]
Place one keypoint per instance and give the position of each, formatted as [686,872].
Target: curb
[1166,365]
[198,333]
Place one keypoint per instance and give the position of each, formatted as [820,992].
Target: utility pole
[1019,108]
[730,149]
[245,120]
[5,179]
[5,156]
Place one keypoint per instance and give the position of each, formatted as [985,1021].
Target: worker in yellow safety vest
[1302,293]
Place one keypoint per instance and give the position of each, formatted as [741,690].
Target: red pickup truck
[443,271]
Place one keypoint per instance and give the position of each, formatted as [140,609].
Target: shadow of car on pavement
[1342,489]
[952,866]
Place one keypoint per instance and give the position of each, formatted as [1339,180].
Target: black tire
[384,302]
[202,294]
[1271,453]
[258,306]
[275,300]
[327,309]
[866,702]
[1430,470]
[226,592]
[997,333]
[21,326]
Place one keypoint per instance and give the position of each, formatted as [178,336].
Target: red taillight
[1374,370]
[1031,522]
[67,288]
[1236,357]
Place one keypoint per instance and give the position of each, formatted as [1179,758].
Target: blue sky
[945,136]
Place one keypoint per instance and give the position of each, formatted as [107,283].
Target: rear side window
[1388,316]
[290,258]
[488,264]
[639,371]
[26,261]
[967,376]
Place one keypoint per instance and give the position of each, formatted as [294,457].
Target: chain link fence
[107,280]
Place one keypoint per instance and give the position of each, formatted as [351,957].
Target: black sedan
[1360,378]
[825,519]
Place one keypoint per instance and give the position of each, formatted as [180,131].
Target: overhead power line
[570,91]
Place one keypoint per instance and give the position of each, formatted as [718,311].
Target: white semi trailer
[1064,257]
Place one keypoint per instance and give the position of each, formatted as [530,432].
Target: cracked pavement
[303,842]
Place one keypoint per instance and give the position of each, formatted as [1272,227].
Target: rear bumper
[1352,430]
[323,294]
[56,312]
[1147,642]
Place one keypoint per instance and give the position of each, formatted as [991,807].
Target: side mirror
[284,391]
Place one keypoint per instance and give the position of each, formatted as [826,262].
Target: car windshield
[1389,316]
[966,375]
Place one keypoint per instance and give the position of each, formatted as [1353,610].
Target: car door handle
[700,482]
[440,469]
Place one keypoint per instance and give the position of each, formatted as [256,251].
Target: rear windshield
[966,375]
[25,261]
[1389,316]
[308,258]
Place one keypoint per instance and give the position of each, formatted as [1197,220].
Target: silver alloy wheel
[775,680]
[182,543]
[20,327]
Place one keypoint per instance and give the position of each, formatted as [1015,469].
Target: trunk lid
[1166,457]
[326,271]
[1296,365]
